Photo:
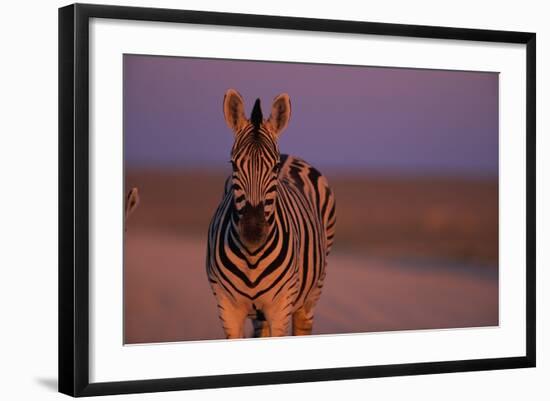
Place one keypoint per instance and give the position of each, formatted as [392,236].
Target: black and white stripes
[270,236]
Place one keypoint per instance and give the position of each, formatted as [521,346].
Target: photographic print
[243,204]
[269,199]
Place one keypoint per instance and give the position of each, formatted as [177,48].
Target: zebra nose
[253,225]
[253,214]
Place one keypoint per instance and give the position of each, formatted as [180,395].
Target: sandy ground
[167,297]
[384,223]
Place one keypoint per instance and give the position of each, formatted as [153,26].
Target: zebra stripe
[270,236]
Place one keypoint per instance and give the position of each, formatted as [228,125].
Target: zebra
[269,238]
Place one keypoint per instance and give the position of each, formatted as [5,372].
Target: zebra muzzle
[253,225]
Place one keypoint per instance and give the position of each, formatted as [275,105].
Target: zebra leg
[302,318]
[261,328]
[279,327]
[302,321]
[278,319]
[232,316]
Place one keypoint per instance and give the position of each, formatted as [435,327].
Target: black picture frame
[74,200]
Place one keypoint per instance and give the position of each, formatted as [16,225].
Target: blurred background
[412,156]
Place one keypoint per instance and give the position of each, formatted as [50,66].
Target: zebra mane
[256,116]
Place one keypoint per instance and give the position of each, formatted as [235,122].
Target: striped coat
[269,239]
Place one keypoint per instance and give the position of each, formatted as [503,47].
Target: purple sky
[359,118]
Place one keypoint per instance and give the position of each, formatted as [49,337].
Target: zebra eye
[277,167]
[233,165]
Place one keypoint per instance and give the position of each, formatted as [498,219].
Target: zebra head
[132,202]
[256,162]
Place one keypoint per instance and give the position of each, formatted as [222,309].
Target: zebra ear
[233,110]
[132,201]
[280,113]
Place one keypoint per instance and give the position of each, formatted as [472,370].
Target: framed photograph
[250,199]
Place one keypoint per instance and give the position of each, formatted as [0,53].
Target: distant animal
[132,202]
[270,236]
